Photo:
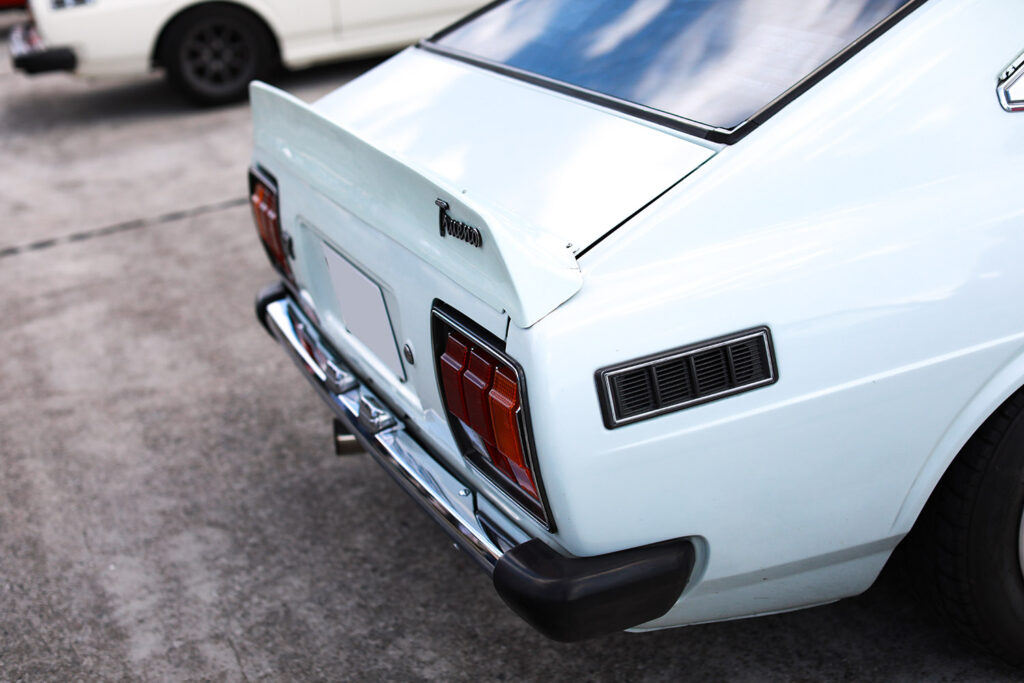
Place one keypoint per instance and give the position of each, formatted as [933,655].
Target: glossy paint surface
[549,164]
[519,268]
[712,61]
[876,229]
[396,245]
[874,225]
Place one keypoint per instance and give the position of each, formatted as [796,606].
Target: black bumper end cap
[56,59]
[574,598]
[267,296]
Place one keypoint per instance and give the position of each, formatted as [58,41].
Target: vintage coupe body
[211,49]
[676,311]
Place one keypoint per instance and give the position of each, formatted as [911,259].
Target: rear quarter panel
[875,226]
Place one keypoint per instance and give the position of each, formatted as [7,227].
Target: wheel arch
[1006,382]
[160,42]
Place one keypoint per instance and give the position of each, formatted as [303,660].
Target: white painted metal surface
[874,225]
[117,37]
[539,158]
[520,268]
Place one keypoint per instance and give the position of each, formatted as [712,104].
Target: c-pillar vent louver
[684,377]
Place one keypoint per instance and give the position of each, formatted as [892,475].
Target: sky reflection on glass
[713,61]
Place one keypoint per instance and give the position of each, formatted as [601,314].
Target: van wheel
[211,53]
[968,544]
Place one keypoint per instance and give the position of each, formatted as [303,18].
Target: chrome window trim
[726,136]
[641,111]
[606,375]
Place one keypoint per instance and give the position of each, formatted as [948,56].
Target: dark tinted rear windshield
[716,62]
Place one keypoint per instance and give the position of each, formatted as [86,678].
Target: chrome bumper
[565,598]
[449,501]
[29,54]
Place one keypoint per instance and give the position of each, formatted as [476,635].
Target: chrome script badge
[457,229]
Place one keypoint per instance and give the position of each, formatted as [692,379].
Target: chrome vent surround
[687,376]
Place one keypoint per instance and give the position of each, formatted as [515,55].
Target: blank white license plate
[363,310]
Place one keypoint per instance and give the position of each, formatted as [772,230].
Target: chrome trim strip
[641,111]
[608,374]
[726,136]
[1010,77]
[442,495]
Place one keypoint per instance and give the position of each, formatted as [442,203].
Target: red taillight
[453,362]
[476,382]
[263,201]
[483,392]
[500,461]
[504,404]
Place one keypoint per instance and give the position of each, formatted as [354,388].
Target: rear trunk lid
[495,183]
[429,182]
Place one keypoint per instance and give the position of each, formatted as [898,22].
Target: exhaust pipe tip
[345,443]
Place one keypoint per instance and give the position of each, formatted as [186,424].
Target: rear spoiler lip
[518,269]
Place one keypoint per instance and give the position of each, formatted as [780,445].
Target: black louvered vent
[685,377]
[633,393]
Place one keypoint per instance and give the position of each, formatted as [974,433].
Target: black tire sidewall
[257,39]
[993,555]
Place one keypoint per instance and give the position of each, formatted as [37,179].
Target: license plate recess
[364,310]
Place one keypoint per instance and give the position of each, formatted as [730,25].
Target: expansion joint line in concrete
[121,227]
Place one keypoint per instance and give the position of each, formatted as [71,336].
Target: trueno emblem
[1011,85]
[457,229]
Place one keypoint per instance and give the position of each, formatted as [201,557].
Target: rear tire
[212,52]
[968,545]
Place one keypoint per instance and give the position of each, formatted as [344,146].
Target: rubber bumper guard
[574,598]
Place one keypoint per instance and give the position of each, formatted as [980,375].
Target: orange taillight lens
[263,202]
[504,404]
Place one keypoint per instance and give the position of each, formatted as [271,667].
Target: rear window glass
[716,62]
